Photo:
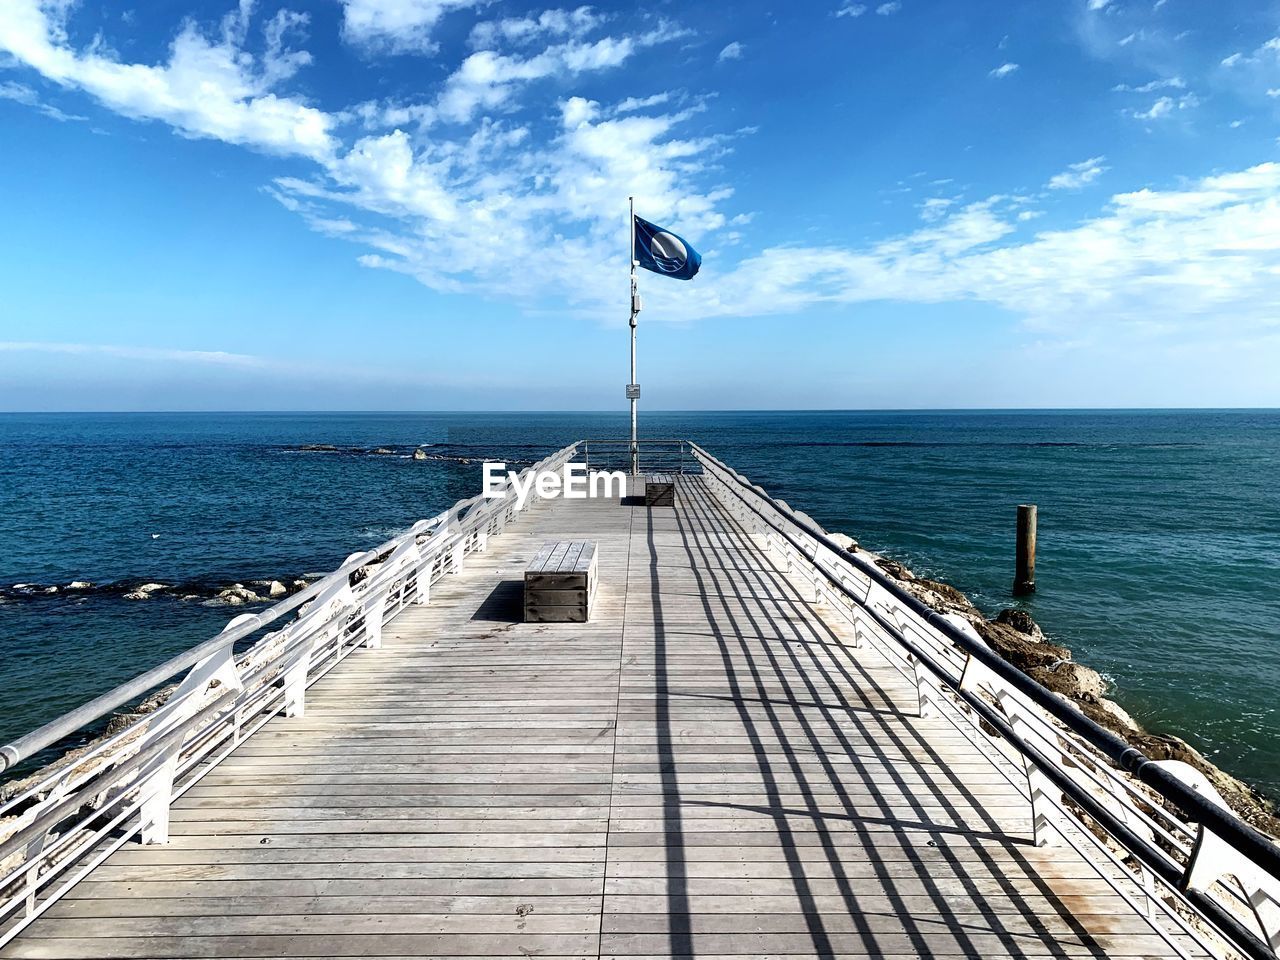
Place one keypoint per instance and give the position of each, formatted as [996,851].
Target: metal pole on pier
[633,388]
[1024,578]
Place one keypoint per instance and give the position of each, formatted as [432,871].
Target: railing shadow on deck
[752,664]
[1208,881]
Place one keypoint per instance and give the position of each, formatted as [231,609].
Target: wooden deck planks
[706,768]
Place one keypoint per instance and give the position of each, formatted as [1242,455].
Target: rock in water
[144,592]
[383,452]
[276,589]
[237,594]
[419,454]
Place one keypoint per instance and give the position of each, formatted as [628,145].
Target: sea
[1159,531]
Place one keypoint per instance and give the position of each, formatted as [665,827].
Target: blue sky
[421,204]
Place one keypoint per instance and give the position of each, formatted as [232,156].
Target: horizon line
[662,410]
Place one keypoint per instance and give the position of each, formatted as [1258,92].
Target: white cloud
[1099,4]
[732,51]
[487,80]
[1233,60]
[888,9]
[1193,256]
[548,24]
[207,88]
[632,104]
[852,10]
[501,182]
[1274,92]
[402,26]
[1167,83]
[1078,175]
[1003,70]
[1165,107]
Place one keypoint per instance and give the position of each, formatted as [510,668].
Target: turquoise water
[1159,555]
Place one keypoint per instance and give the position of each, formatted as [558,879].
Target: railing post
[926,693]
[1046,818]
[1213,858]
[295,683]
[156,786]
[373,611]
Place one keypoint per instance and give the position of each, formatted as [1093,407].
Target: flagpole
[633,391]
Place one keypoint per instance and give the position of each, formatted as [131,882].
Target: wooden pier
[714,766]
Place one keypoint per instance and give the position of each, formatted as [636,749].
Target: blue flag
[663,252]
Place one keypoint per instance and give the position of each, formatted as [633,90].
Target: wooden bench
[659,490]
[560,583]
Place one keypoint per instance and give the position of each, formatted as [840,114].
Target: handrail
[77,719]
[1260,852]
[1248,839]
[70,815]
[664,454]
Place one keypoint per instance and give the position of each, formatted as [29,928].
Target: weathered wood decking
[704,769]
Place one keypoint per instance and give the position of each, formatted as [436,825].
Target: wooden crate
[560,583]
[659,490]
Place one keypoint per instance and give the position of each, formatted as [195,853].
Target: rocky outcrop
[207,591]
[419,453]
[1016,637]
[235,595]
[144,591]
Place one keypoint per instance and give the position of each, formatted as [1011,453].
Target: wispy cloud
[1003,70]
[523,30]
[732,51]
[889,9]
[150,354]
[20,93]
[1078,175]
[1193,255]
[1165,83]
[467,171]
[1165,107]
[400,26]
[852,10]
[210,87]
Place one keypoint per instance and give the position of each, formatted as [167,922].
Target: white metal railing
[1157,831]
[77,811]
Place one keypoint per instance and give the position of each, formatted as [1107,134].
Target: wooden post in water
[1024,578]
